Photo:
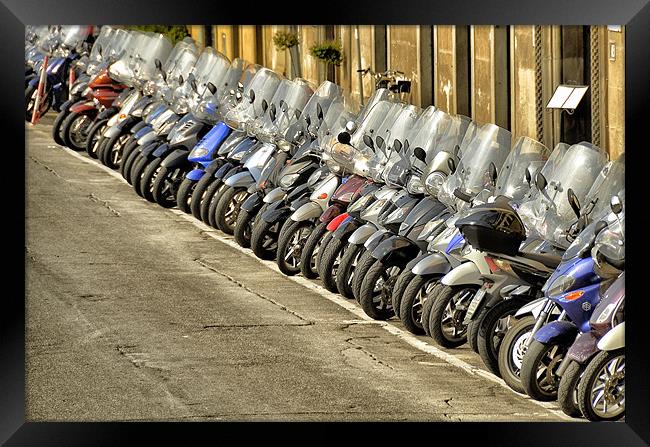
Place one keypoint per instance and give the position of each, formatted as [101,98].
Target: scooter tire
[111,156]
[517,334]
[535,354]
[486,324]
[164,177]
[66,127]
[199,193]
[416,295]
[567,392]
[289,229]
[401,284]
[135,174]
[326,240]
[472,335]
[346,273]
[184,195]
[243,228]
[234,197]
[365,262]
[384,309]
[207,200]
[261,231]
[128,160]
[311,250]
[443,298]
[56,127]
[149,176]
[327,268]
[586,384]
[94,137]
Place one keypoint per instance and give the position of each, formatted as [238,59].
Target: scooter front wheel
[113,150]
[401,284]
[185,193]
[601,392]
[243,228]
[363,265]
[228,207]
[293,237]
[75,129]
[150,170]
[199,194]
[567,392]
[538,370]
[311,251]
[492,326]
[328,267]
[447,314]
[264,238]
[56,127]
[346,272]
[94,135]
[513,350]
[418,292]
[376,289]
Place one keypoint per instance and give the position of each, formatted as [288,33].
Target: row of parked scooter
[443,223]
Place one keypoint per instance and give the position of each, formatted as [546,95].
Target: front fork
[541,319]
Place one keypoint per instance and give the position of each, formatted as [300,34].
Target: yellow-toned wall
[403,55]
[615,93]
[522,81]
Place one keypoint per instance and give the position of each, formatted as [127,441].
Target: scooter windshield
[550,213]
[101,42]
[73,36]
[229,97]
[315,109]
[527,154]
[381,94]
[156,47]
[260,89]
[597,199]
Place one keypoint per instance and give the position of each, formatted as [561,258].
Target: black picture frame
[634,14]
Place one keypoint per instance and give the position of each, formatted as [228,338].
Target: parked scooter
[502,246]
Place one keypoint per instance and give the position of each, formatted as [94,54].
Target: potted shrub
[287,40]
[331,54]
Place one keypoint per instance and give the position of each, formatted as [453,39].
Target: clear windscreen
[181,60]
[527,154]
[315,109]
[73,35]
[261,88]
[428,137]
[598,198]
[102,41]
[549,213]
[381,94]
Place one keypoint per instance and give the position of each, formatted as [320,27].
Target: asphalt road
[134,312]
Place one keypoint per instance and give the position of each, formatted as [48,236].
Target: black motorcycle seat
[548,259]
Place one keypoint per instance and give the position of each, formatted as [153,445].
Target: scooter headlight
[199,151]
[415,186]
[561,284]
[287,180]
[433,183]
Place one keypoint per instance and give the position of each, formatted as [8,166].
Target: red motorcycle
[74,120]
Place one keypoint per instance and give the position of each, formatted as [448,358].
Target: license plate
[476,301]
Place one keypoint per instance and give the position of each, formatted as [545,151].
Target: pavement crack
[47,168]
[248,289]
[103,203]
[362,349]
[448,400]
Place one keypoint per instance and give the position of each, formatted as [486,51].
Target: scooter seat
[548,259]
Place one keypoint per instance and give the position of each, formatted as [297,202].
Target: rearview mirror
[193,84]
[419,153]
[158,64]
[451,164]
[308,120]
[297,113]
[212,88]
[283,106]
[615,204]
[406,145]
[344,137]
[265,105]
[381,143]
[600,226]
[99,49]
[251,95]
[368,141]
[319,112]
[492,171]
[528,176]
[540,181]
[574,202]
[397,145]
[272,112]
[180,79]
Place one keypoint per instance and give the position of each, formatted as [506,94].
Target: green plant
[175,33]
[284,40]
[330,52]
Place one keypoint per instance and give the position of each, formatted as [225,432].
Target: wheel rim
[313,264]
[78,129]
[545,374]
[519,348]
[95,138]
[454,314]
[381,293]
[607,394]
[500,330]
[296,244]
[353,267]
[422,295]
[116,151]
[233,208]
[270,240]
